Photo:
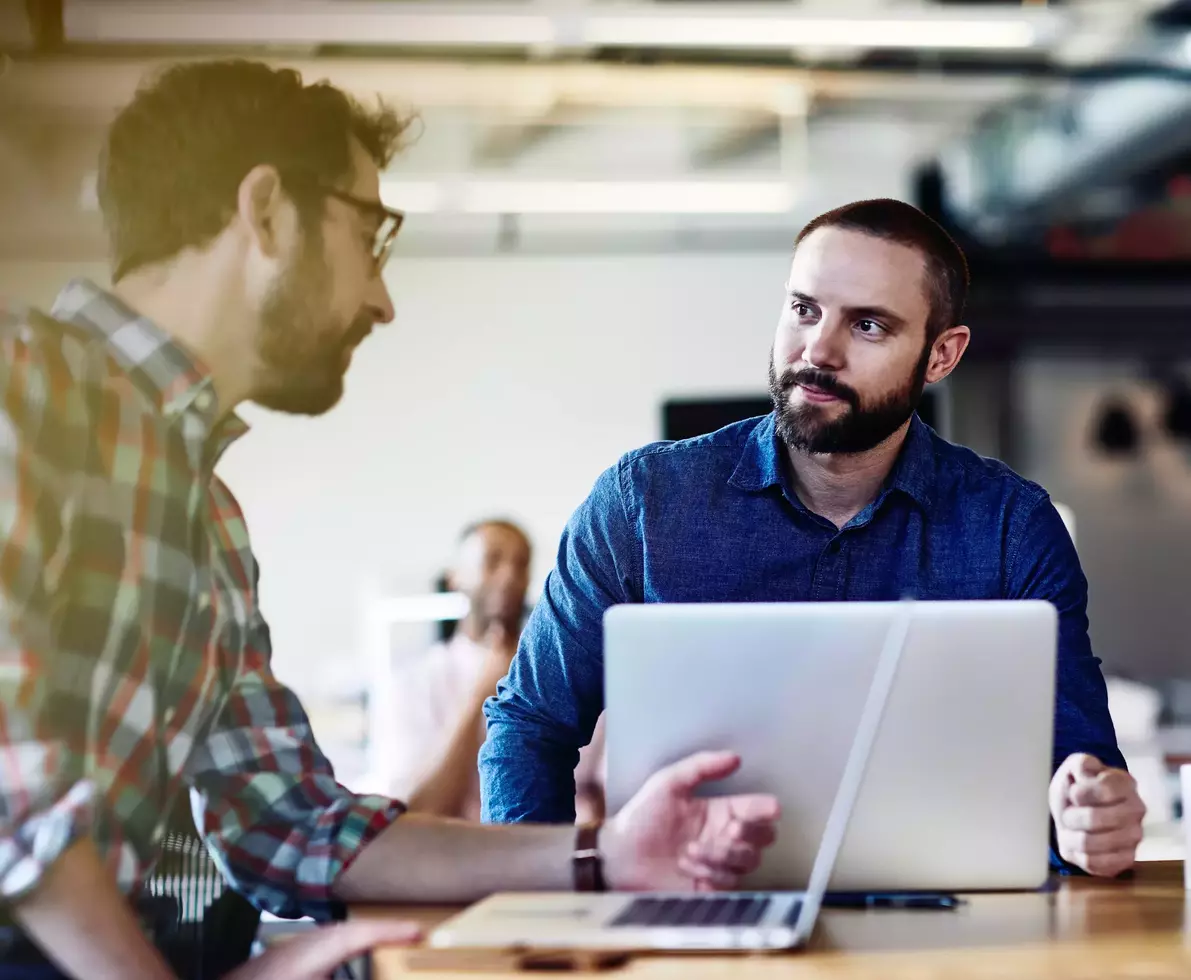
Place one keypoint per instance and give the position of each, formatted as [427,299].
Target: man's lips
[813,394]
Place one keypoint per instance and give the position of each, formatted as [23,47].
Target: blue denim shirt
[715,519]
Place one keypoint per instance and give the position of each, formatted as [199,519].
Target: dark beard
[857,430]
[303,361]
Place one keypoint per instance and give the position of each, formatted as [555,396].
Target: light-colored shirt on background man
[429,698]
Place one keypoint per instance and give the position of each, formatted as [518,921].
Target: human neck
[481,630]
[473,628]
[838,486]
[191,300]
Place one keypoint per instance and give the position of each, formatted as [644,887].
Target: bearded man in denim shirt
[841,493]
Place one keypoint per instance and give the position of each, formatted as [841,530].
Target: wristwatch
[587,861]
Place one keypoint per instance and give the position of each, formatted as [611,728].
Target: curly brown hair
[174,157]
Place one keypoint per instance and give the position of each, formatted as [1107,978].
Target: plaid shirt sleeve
[45,802]
[274,818]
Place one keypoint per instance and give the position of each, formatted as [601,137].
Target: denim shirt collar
[762,460]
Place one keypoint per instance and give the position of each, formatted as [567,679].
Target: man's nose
[380,303]
[825,346]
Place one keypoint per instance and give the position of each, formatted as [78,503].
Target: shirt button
[168,717]
[202,401]
[204,601]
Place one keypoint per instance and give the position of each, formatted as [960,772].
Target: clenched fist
[1097,813]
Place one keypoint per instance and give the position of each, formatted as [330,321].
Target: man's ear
[946,352]
[264,209]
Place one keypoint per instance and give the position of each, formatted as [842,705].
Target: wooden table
[1083,928]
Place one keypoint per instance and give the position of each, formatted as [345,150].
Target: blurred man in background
[439,698]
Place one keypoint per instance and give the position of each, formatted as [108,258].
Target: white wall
[37,283]
[505,385]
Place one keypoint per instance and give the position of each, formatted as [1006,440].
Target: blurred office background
[602,202]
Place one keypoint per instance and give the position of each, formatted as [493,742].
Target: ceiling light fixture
[775,32]
[487,195]
[770,26]
[496,195]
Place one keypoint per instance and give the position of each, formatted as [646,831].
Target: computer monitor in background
[685,418]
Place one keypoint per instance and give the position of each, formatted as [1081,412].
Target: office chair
[203,927]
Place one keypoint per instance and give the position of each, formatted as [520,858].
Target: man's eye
[869,327]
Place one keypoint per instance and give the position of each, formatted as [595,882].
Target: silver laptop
[725,921]
[956,793]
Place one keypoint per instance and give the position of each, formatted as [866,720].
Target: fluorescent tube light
[496,25]
[303,22]
[495,195]
[482,195]
[776,32]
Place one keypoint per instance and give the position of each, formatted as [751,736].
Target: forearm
[590,805]
[422,858]
[80,920]
[444,791]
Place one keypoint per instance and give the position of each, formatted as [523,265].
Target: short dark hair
[896,221]
[174,157]
[501,522]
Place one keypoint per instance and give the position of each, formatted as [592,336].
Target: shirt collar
[180,386]
[760,463]
[914,472]
[762,458]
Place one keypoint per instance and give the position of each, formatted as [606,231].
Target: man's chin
[303,401]
[816,443]
[813,431]
[833,439]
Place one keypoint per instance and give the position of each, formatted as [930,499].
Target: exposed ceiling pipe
[1028,164]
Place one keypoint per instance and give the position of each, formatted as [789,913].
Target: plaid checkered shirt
[134,660]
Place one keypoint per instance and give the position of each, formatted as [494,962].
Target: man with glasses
[247,237]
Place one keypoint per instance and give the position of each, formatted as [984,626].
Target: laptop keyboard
[746,910]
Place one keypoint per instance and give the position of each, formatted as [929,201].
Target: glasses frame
[391,220]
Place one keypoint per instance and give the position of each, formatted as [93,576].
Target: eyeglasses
[388,222]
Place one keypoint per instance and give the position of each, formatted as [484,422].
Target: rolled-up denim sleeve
[1046,566]
[546,709]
